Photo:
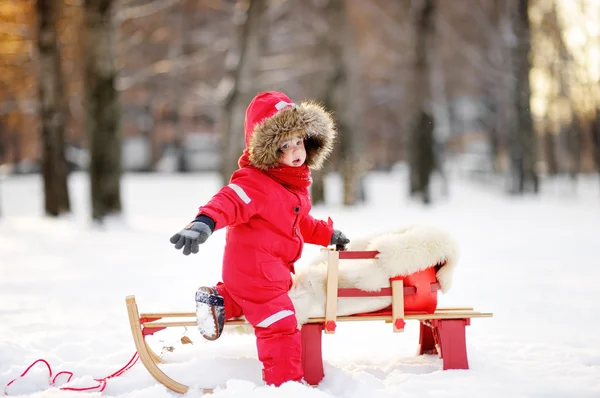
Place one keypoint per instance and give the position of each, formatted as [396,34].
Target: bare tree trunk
[351,109]
[102,109]
[523,149]
[145,125]
[550,150]
[53,115]
[177,87]
[150,134]
[317,188]
[329,51]
[424,156]
[500,85]
[343,95]
[574,147]
[596,139]
[441,113]
[559,72]
[421,156]
[239,84]
[16,143]
[494,137]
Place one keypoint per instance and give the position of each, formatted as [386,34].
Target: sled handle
[353,254]
[332,281]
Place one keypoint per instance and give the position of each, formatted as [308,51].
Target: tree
[102,108]
[178,87]
[341,93]
[421,157]
[52,112]
[595,129]
[522,143]
[238,85]
[493,21]
[550,152]
[424,155]
[18,80]
[574,135]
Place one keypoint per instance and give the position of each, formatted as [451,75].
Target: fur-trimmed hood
[272,118]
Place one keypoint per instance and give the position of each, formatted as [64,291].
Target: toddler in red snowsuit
[266,208]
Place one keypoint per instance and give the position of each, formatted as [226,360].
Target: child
[265,207]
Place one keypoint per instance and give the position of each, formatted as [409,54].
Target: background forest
[118,118]
[502,91]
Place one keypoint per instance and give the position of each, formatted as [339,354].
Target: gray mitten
[194,234]
[339,240]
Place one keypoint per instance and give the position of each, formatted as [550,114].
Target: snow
[533,262]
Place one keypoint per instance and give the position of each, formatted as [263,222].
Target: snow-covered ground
[533,262]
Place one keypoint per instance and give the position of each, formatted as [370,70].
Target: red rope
[101,382]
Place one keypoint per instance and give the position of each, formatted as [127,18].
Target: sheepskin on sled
[401,252]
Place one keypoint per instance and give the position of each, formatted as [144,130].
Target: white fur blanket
[401,252]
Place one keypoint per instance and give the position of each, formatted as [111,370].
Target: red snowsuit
[267,225]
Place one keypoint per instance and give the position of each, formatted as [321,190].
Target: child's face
[293,152]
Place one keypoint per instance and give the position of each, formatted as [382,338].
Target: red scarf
[293,178]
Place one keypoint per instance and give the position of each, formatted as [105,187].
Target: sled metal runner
[442,332]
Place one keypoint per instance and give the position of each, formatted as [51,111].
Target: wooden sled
[441,332]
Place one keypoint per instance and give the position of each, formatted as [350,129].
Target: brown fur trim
[309,119]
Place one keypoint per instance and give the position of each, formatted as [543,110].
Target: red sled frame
[441,333]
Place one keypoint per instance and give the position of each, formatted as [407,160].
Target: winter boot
[210,312]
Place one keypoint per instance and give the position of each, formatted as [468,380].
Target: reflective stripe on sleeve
[274,318]
[240,192]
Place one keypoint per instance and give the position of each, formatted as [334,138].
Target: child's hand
[339,240]
[194,234]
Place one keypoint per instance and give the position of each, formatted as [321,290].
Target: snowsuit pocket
[275,271]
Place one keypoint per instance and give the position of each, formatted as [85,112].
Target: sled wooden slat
[383,292]
[155,358]
[424,317]
[157,325]
[331,291]
[357,254]
[158,315]
[448,313]
[398,305]
[167,315]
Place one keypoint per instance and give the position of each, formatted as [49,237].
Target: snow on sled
[391,277]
